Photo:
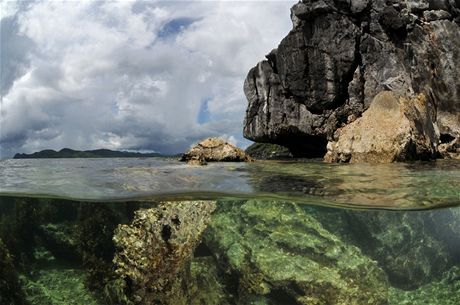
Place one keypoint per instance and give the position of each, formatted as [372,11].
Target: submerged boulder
[340,55]
[154,251]
[392,129]
[276,253]
[214,149]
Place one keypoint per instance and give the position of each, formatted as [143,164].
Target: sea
[279,232]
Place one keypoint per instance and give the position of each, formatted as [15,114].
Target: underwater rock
[10,289]
[276,252]
[214,149]
[445,291]
[60,239]
[205,286]
[412,247]
[58,286]
[392,129]
[340,55]
[154,251]
[267,151]
[96,226]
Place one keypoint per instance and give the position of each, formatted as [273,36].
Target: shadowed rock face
[340,55]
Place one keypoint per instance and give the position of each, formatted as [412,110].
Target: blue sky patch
[203,114]
[175,26]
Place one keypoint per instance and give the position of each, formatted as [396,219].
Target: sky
[129,75]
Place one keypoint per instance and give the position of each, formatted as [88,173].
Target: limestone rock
[153,252]
[451,148]
[277,251]
[339,55]
[392,129]
[214,149]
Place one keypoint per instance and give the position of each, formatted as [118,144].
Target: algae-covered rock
[412,247]
[268,151]
[278,252]
[10,289]
[58,286]
[214,149]
[154,251]
[445,291]
[206,285]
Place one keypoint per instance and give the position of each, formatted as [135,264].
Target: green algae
[277,249]
[253,252]
[443,292]
[58,286]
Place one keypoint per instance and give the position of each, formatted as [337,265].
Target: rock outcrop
[214,149]
[392,129]
[340,55]
[276,253]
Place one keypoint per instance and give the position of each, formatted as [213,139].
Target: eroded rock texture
[340,55]
[154,252]
[214,149]
[405,131]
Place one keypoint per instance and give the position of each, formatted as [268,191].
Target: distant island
[97,153]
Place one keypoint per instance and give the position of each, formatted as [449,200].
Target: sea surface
[158,231]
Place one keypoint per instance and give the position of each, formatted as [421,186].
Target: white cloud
[131,75]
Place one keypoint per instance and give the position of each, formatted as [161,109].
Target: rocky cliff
[340,54]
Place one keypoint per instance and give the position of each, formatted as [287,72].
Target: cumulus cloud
[133,75]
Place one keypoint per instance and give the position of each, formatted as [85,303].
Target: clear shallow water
[395,186]
[118,231]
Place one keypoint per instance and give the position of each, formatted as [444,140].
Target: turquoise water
[157,231]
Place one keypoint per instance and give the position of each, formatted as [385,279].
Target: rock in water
[340,55]
[214,149]
[154,252]
[277,251]
[392,129]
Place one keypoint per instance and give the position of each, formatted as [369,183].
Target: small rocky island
[318,86]
[71,153]
[214,149]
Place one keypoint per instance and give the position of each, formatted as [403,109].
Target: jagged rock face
[340,55]
[405,132]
